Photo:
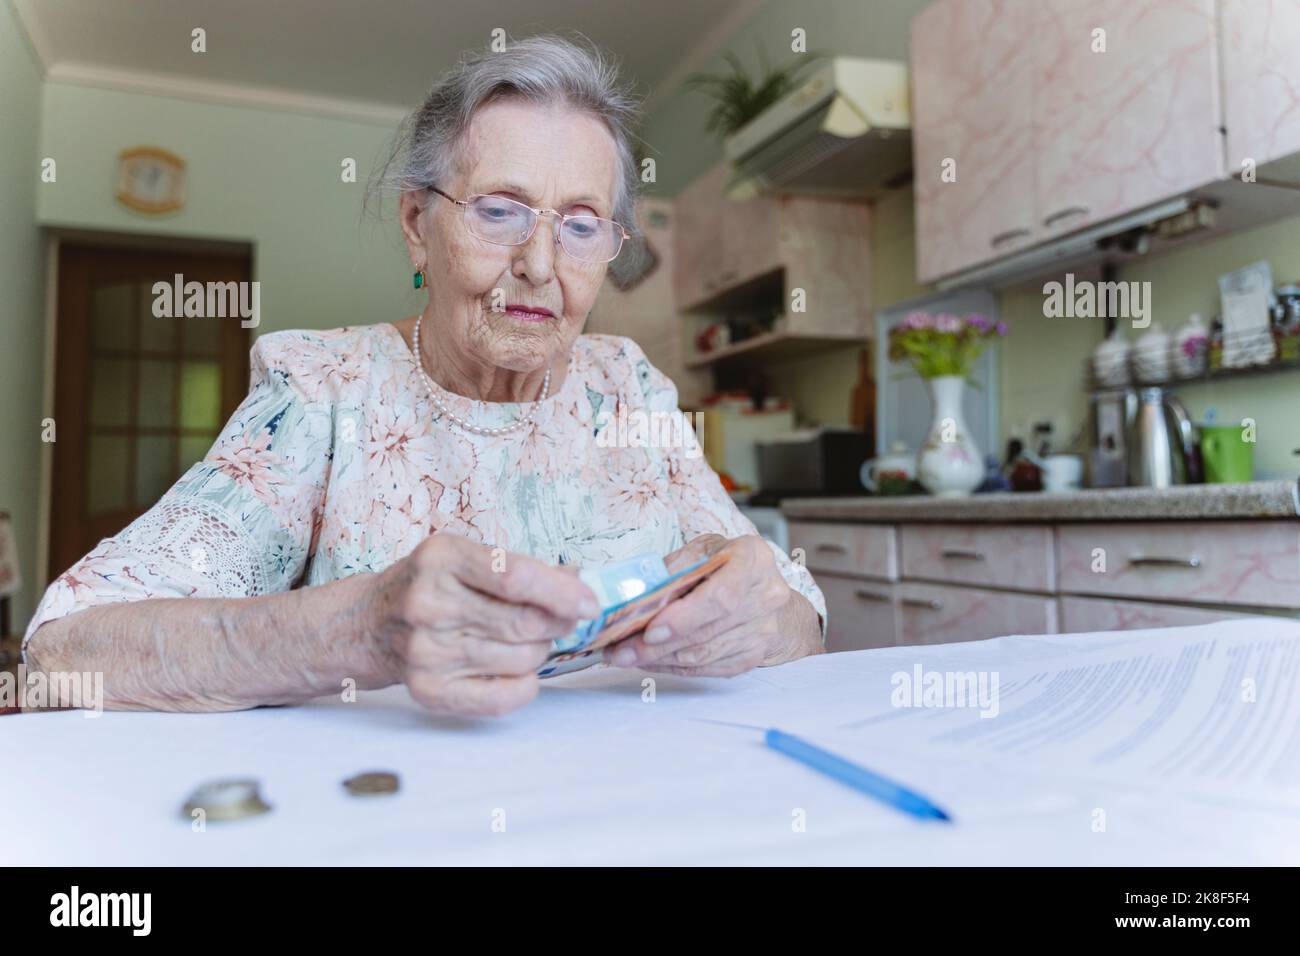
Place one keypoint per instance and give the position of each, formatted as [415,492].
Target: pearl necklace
[469,427]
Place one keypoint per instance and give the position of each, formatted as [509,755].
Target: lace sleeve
[237,524]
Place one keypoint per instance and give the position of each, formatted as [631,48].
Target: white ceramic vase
[949,464]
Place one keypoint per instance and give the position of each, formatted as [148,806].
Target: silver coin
[373,783]
[233,799]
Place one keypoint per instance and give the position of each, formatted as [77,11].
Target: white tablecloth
[599,770]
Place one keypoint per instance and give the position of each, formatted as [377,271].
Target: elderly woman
[408,502]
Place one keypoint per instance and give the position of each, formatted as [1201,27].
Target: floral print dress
[338,463]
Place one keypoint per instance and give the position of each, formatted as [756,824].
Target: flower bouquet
[943,349]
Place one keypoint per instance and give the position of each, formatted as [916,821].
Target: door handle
[930,604]
[963,553]
[1065,213]
[832,548]
[863,594]
[1007,236]
[1192,562]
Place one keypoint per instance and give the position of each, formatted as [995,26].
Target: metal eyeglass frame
[537,216]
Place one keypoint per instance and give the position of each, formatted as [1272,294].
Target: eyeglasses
[505,222]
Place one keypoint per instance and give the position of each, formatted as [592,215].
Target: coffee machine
[1142,437]
[1110,413]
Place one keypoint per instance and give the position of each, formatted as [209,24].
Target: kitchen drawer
[1242,562]
[870,550]
[1007,556]
[1081,615]
[934,614]
[860,613]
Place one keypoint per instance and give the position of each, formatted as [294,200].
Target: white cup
[1062,472]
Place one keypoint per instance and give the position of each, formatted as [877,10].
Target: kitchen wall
[267,177]
[21,286]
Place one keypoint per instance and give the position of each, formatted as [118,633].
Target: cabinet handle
[1065,213]
[832,548]
[1192,562]
[864,595]
[963,553]
[929,604]
[1007,236]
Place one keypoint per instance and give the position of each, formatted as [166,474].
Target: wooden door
[138,398]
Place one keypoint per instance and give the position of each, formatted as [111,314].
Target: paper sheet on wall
[1245,296]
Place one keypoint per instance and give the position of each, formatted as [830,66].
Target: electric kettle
[1161,442]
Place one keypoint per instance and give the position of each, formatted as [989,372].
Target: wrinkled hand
[453,615]
[742,616]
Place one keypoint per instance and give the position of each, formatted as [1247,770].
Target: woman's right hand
[466,626]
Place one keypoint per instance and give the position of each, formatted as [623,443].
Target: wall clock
[150,180]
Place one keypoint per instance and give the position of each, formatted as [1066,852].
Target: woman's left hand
[742,616]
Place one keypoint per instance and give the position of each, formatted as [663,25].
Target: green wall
[269,178]
[22,316]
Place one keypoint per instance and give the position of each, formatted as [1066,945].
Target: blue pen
[837,768]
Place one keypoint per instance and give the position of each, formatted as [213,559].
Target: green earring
[418,279]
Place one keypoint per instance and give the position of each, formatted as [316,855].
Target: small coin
[226,800]
[374,783]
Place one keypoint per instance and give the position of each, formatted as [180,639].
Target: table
[606,766]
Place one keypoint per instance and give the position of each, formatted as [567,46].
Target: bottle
[1190,347]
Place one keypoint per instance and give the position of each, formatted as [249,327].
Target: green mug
[1225,455]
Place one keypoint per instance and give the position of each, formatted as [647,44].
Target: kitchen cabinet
[1047,132]
[821,246]
[860,613]
[935,614]
[697,240]
[929,582]
[1252,563]
[1128,127]
[1080,615]
[866,550]
[1019,557]
[972,108]
[1261,74]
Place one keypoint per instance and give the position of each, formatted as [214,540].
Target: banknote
[631,615]
[614,584]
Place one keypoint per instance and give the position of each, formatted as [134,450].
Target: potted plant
[943,348]
[742,97]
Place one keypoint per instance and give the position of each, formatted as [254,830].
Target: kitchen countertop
[1255,499]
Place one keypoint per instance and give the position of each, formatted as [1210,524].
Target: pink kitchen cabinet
[972,106]
[698,237]
[1049,136]
[1261,80]
[1118,130]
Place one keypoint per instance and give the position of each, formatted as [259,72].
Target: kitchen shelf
[769,344]
[1136,380]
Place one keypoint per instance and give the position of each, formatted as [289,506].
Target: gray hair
[541,69]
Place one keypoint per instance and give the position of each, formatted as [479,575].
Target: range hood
[845,131]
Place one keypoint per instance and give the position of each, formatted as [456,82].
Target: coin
[226,800]
[374,783]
